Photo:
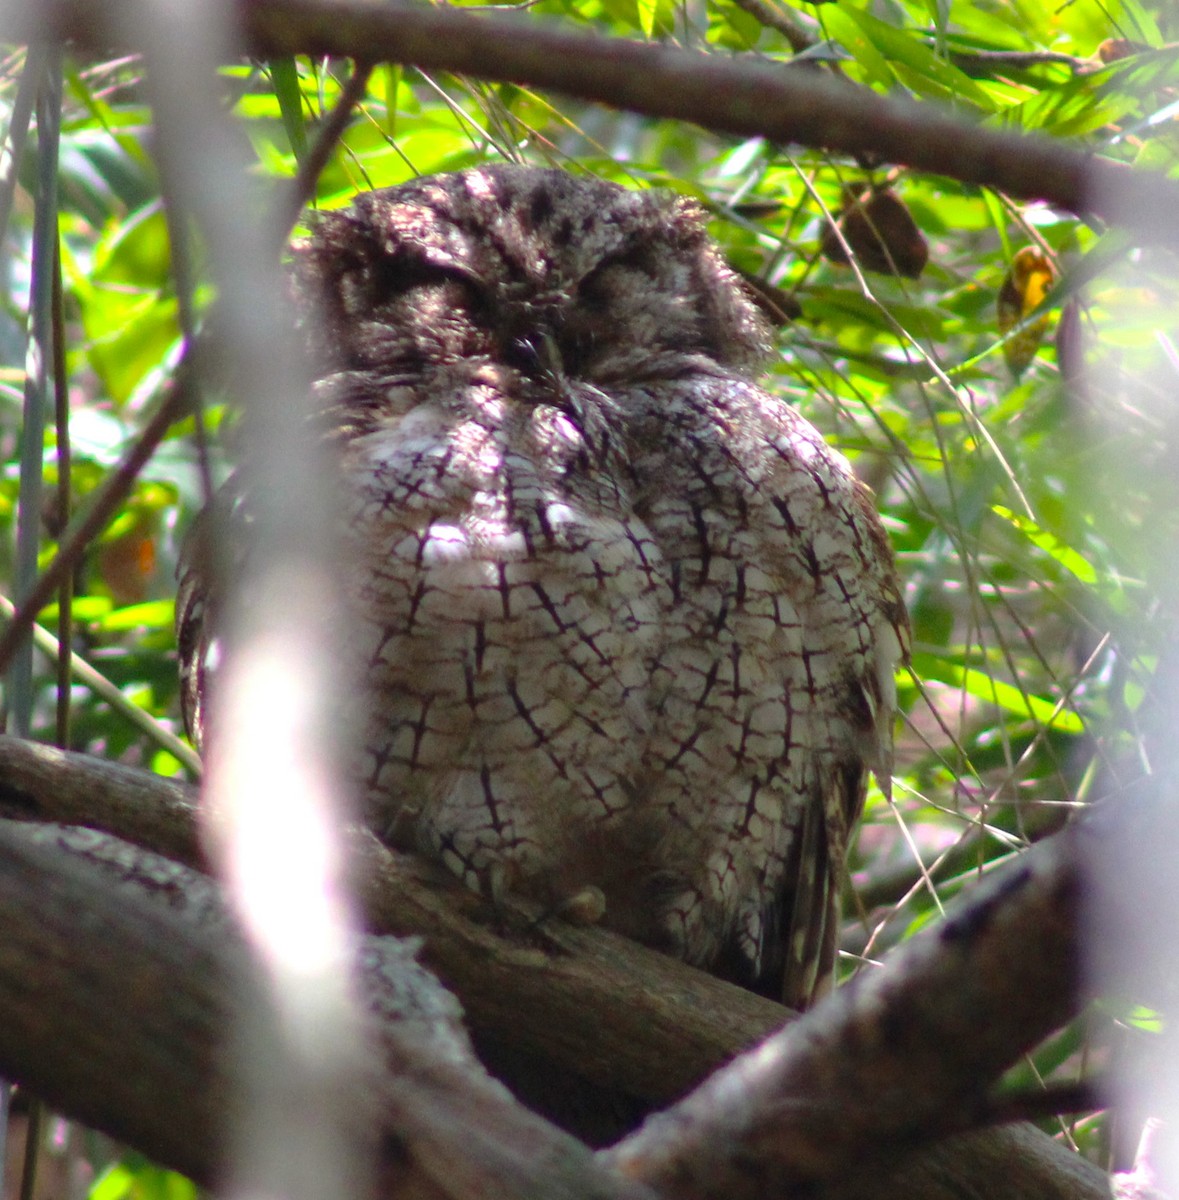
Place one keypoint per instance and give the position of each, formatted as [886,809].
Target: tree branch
[657,1026]
[893,1056]
[125,1029]
[591,1003]
[742,96]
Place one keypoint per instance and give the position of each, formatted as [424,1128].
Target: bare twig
[19,115]
[63,504]
[1050,1101]
[18,684]
[332,130]
[1016,60]
[780,20]
[102,687]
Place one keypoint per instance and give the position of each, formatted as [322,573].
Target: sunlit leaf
[656,17]
[991,690]
[285,75]
[927,74]
[1076,564]
[157,614]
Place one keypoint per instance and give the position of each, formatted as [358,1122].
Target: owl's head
[535,269]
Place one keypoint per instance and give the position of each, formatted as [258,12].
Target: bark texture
[131,970]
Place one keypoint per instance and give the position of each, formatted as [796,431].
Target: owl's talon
[584,907]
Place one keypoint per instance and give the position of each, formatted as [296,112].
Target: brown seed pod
[1113,49]
[880,231]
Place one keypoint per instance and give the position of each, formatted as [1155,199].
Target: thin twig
[780,21]
[18,129]
[18,682]
[102,687]
[1048,1101]
[64,498]
[102,510]
[28,1176]
[1017,60]
[303,186]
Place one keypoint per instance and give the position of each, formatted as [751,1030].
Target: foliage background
[1027,509]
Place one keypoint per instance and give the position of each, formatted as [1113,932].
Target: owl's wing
[858,602]
[202,563]
[811,910]
[811,914]
[195,641]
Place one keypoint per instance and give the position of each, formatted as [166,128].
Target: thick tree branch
[657,1026]
[125,1029]
[895,1055]
[591,1003]
[746,97]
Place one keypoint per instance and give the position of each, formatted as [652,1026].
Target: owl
[622,625]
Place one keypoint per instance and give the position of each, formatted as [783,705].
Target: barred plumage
[622,619]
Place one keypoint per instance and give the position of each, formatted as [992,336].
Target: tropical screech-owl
[622,619]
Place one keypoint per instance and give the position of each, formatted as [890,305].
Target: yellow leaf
[1027,282]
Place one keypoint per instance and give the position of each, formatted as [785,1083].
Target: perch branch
[589,1002]
[125,1029]
[894,1055]
[662,1024]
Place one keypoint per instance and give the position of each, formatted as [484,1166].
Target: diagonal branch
[618,1013]
[126,1029]
[895,1056]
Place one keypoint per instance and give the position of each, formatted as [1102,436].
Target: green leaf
[986,687]
[926,73]
[154,614]
[732,27]
[1073,562]
[656,17]
[85,609]
[850,34]
[1133,18]
[390,78]
[285,76]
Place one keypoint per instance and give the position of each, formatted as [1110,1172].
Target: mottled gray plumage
[623,621]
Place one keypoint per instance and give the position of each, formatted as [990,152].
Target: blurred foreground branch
[902,1054]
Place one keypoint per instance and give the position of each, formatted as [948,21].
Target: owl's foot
[585,907]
